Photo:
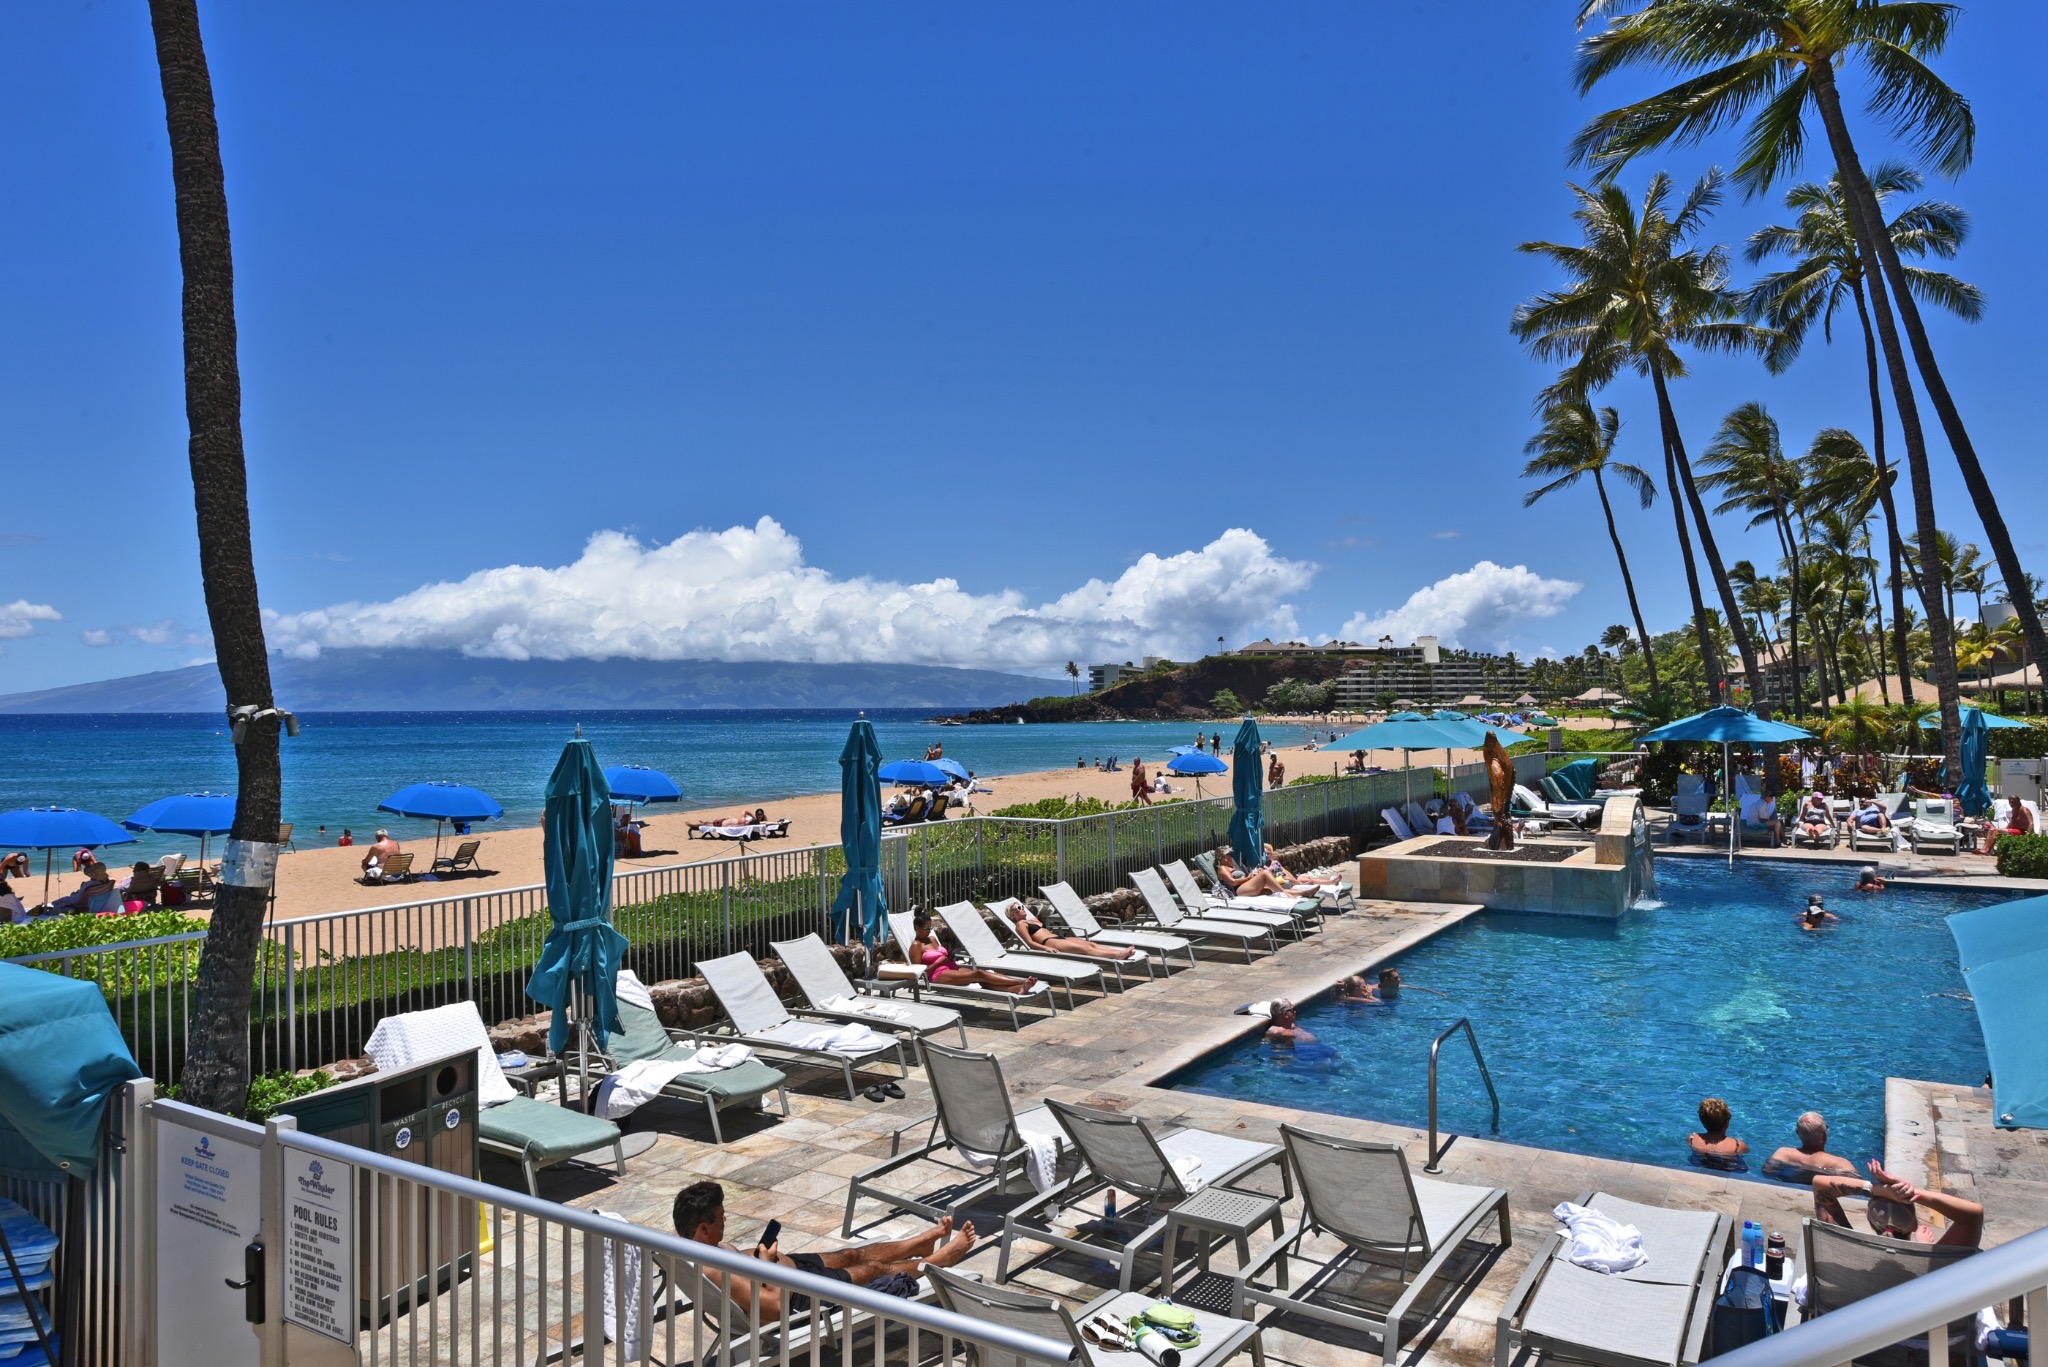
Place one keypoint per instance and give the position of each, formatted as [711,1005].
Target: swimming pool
[1603,1036]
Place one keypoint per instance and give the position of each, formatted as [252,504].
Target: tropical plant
[1746,464]
[1073,677]
[216,1072]
[1767,61]
[1224,703]
[1577,441]
[1854,723]
[1638,294]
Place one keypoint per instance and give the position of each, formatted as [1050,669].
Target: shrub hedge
[2023,856]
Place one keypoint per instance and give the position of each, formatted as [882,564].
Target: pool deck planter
[1578,886]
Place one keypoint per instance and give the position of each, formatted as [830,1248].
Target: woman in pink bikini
[926,948]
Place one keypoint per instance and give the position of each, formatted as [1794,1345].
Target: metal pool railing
[323,982]
[1435,1046]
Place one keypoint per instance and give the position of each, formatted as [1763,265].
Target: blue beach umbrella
[913,771]
[861,903]
[1407,732]
[54,828]
[1192,762]
[1972,793]
[196,814]
[1248,787]
[638,783]
[953,767]
[2004,953]
[582,953]
[1725,726]
[440,801]
[1992,721]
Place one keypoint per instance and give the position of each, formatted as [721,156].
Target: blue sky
[1006,295]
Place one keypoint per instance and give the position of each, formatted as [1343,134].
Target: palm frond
[1921,108]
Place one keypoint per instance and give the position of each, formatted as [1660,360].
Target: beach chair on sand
[396,869]
[760,1019]
[462,861]
[1361,1194]
[1282,911]
[1048,1317]
[1168,915]
[1934,823]
[974,1121]
[903,930]
[1656,1315]
[1068,906]
[1007,930]
[284,837]
[826,987]
[982,948]
[914,812]
[534,1134]
[642,1038]
[1120,1152]
[144,886]
[1843,1266]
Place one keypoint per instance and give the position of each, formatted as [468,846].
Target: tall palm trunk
[1710,663]
[216,1073]
[1628,583]
[1788,542]
[1731,611]
[1867,221]
[1874,647]
[1895,546]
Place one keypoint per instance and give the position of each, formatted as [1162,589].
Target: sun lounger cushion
[1676,1240]
[546,1133]
[641,1037]
[1610,1315]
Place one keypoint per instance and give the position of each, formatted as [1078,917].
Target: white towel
[1041,1159]
[630,989]
[1188,1167]
[1600,1242]
[867,1006]
[416,1036]
[636,1084]
[622,1265]
[853,1038]
[718,1058]
[1271,901]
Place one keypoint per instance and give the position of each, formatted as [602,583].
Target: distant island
[448,681]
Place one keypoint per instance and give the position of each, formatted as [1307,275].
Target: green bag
[1175,1323]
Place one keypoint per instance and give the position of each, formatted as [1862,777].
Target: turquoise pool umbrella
[1248,786]
[1972,792]
[2004,953]
[1726,726]
[61,1056]
[582,953]
[1992,721]
[1412,731]
[861,902]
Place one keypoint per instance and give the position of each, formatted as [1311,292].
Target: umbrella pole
[1735,812]
[48,855]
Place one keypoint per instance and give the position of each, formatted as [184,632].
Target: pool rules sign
[320,1244]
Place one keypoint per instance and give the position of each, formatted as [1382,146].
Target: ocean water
[341,765]
[1602,1037]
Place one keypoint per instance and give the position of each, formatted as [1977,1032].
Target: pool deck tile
[1109,1051]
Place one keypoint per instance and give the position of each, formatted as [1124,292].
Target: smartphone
[771,1235]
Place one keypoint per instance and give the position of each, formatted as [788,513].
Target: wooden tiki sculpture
[1500,776]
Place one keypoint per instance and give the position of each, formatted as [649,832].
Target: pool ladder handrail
[1436,1045]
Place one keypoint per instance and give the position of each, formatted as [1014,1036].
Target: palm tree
[216,1074]
[1841,473]
[1826,270]
[1746,463]
[1576,441]
[1074,677]
[1771,58]
[1761,597]
[1639,293]
[1856,721]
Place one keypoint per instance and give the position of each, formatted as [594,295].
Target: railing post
[291,1000]
[469,945]
[1109,825]
[1059,849]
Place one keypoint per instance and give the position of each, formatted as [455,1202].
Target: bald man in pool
[1811,1159]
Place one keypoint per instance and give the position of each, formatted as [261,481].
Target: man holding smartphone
[890,1267]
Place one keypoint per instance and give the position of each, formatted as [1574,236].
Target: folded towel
[1598,1241]
[631,989]
[1188,1167]
[1041,1159]
[867,1006]
[416,1036]
[853,1038]
[718,1058]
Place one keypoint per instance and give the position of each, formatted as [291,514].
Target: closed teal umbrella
[583,951]
[1248,786]
[861,903]
[1972,792]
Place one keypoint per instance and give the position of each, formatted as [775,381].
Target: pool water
[1602,1037]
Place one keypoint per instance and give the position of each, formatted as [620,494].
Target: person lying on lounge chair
[1816,819]
[890,1267]
[1296,880]
[1041,938]
[938,961]
[1257,883]
[1870,816]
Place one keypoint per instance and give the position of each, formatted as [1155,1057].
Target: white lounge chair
[759,1018]
[1006,929]
[1862,837]
[1397,823]
[903,930]
[1689,817]
[826,987]
[1068,906]
[983,950]
[1934,823]
[1281,911]
[1167,914]
[1570,813]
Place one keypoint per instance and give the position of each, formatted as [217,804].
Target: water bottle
[1752,1253]
[1109,1205]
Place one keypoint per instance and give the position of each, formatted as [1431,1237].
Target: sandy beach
[315,880]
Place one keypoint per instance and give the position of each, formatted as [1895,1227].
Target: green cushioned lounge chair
[538,1134]
[642,1037]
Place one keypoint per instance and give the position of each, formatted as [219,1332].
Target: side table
[1221,1212]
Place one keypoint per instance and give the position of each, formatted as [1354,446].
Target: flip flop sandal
[893,1090]
[874,1093]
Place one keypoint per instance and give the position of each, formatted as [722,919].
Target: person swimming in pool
[1284,1029]
[1356,991]
[1868,881]
[1816,914]
[1713,1146]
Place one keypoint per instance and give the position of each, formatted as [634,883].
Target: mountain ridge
[446,680]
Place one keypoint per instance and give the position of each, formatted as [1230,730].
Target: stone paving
[1107,1054]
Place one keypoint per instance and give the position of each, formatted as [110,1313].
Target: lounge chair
[776,829]
[913,812]
[1397,823]
[1330,895]
[1281,911]
[1035,1313]
[903,930]
[1818,842]
[1527,803]
[143,886]
[981,947]
[1007,930]
[168,867]
[284,836]
[1361,1193]
[1862,838]
[1168,915]
[1934,823]
[759,1018]
[462,861]
[1068,906]
[534,1134]
[396,869]
[826,987]
[1120,1152]
[1656,1315]
[1689,817]
[1843,1266]
[975,1120]
[642,1038]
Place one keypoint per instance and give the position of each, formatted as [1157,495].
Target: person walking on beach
[1276,772]
[1140,789]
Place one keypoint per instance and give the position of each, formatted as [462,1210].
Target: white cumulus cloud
[96,638]
[19,618]
[153,633]
[1483,608]
[745,593]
